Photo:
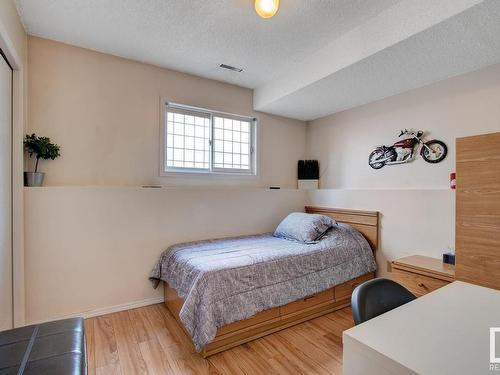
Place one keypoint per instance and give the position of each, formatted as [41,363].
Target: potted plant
[40,148]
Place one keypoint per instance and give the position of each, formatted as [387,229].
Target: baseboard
[107,310]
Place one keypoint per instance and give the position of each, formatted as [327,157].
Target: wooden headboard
[367,222]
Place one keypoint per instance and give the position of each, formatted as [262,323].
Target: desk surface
[444,332]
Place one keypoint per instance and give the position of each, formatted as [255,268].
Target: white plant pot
[308,184]
[33,178]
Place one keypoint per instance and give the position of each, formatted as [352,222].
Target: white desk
[444,332]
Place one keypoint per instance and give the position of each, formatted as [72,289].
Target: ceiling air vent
[229,67]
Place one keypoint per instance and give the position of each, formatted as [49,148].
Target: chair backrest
[377,296]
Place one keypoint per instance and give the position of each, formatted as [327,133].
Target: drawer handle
[308,298]
[422,285]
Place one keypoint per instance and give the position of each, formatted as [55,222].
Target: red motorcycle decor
[403,151]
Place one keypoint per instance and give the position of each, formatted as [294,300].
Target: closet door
[5,194]
[478,210]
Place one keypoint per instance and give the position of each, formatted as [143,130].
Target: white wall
[417,206]
[412,221]
[6,285]
[13,42]
[89,250]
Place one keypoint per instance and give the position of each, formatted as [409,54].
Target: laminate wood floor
[149,341]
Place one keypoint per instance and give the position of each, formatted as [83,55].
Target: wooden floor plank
[296,356]
[141,325]
[149,340]
[329,325]
[155,358]
[131,360]
[325,340]
[109,370]
[343,317]
[266,347]
[106,352]
[90,343]
[313,349]
[182,356]
[176,333]
[324,351]
[241,360]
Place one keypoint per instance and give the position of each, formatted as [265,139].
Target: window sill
[209,175]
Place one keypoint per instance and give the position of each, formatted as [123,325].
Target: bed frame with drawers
[278,318]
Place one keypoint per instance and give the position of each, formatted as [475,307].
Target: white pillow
[302,227]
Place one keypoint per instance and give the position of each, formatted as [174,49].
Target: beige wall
[13,41]
[89,250]
[104,113]
[11,23]
[416,203]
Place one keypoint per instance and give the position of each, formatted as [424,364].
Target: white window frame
[166,171]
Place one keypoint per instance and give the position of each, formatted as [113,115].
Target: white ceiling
[196,36]
[314,58]
[412,44]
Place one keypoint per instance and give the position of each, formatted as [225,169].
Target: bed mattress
[231,279]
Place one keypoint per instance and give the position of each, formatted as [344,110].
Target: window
[198,140]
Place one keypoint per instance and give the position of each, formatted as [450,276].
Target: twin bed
[229,291]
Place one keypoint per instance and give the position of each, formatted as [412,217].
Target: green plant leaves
[41,147]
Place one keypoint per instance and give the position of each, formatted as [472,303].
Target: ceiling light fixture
[267,8]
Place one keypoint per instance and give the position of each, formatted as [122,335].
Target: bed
[226,292]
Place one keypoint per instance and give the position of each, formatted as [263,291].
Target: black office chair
[377,296]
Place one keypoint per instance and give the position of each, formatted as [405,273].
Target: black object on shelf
[308,170]
[449,258]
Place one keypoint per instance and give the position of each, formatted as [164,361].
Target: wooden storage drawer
[417,284]
[263,316]
[344,291]
[315,299]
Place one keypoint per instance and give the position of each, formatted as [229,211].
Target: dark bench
[55,348]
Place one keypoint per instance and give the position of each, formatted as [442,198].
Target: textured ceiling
[316,57]
[196,36]
[417,45]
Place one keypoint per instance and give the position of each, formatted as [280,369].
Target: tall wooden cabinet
[478,210]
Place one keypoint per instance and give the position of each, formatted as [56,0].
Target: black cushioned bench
[55,348]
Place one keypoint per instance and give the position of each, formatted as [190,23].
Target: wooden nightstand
[421,275]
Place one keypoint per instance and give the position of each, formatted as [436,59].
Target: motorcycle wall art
[407,149]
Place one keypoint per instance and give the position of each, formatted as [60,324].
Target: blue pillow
[302,227]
